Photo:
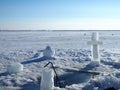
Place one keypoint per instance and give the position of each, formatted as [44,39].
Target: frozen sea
[57,39]
[71,52]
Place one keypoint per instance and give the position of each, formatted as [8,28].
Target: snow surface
[71,54]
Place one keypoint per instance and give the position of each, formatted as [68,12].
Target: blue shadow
[38,60]
[30,86]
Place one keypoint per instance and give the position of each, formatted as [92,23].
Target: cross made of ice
[95,46]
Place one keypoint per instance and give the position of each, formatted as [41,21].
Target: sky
[59,14]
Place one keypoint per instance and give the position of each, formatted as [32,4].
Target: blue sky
[59,14]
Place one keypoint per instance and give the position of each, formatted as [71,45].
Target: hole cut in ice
[70,78]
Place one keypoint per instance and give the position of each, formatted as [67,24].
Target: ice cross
[95,46]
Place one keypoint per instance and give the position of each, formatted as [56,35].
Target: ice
[72,53]
[48,52]
[47,81]
[95,48]
[14,68]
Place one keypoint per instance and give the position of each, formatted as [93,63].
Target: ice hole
[70,78]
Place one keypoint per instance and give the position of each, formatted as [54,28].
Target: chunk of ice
[14,68]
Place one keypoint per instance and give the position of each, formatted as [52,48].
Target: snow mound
[14,68]
[108,81]
[48,52]
[103,82]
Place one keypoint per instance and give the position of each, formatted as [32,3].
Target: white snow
[71,52]
[48,52]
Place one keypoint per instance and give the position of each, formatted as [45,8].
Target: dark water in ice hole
[73,78]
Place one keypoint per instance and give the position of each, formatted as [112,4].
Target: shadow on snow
[38,60]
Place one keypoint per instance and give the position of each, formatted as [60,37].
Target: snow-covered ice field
[71,52]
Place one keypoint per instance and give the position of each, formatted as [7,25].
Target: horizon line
[56,30]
